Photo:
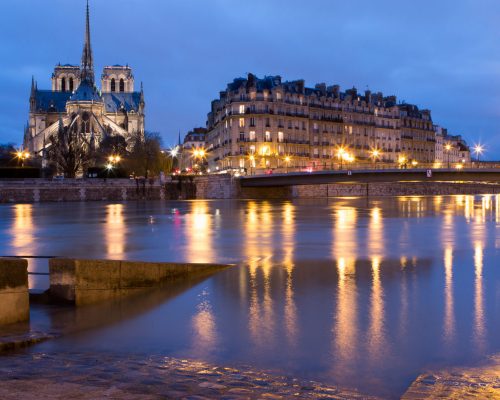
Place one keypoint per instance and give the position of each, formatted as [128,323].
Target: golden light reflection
[204,338]
[376,233]
[479,323]
[199,233]
[376,334]
[114,230]
[345,321]
[497,208]
[344,250]
[288,237]
[258,249]
[449,313]
[22,229]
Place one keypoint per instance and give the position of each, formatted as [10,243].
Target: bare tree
[70,152]
[146,158]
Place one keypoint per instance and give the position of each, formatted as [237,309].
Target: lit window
[268,136]
[252,149]
[242,122]
[242,109]
[280,136]
[252,135]
[278,96]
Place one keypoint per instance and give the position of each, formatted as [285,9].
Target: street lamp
[401,161]
[375,155]
[22,155]
[341,154]
[251,157]
[287,162]
[114,159]
[478,149]
[447,147]
[199,154]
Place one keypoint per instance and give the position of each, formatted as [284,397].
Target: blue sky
[440,54]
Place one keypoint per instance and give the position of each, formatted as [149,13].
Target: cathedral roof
[86,92]
[114,101]
[47,100]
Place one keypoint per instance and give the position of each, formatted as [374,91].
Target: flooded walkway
[83,376]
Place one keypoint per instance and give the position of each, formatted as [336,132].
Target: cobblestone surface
[471,383]
[83,376]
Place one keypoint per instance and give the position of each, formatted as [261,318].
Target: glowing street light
[375,155]
[22,155]
[114,159]
[478,149]
[174,152]
[341,155]
[401,161]
[287,162]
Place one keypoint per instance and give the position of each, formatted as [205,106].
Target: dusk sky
[439,54]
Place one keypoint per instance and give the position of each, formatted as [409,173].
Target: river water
[361,293]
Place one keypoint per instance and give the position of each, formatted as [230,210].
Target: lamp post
[287,162]
[22,155]
[251,157]
[341,153]
[447,147]
[478,149]
[375,154]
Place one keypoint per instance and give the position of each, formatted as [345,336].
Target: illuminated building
[77,103]
[260,123]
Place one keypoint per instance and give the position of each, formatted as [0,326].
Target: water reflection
[258,250]
[198,231]
[379,289]
[115,231]
[345,333]
[204,337]
[288,238]
[23,228]
[479,323]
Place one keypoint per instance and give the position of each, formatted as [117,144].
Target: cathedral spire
[87,58]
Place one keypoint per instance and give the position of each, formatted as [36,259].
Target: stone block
[14,297]
[135,274]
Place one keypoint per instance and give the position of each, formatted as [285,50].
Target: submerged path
[89,376]
[458,383]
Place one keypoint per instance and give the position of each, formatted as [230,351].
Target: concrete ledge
[90,281]
[14,297]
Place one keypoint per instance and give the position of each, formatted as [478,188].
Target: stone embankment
[219,187]
[42,190]
[85,282]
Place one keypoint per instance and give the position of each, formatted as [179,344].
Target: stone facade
[74,102]
[259,124]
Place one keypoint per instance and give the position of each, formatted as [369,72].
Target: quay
[364,183]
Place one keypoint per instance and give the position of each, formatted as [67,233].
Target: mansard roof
[114,101]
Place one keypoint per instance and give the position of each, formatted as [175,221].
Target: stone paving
[459,383]
[84,376]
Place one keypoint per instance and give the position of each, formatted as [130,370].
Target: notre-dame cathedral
[76,102]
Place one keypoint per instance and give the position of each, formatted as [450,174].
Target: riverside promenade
[321,184]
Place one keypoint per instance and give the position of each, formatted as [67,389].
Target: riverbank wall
[221,187]
[85,282]
[14,298]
